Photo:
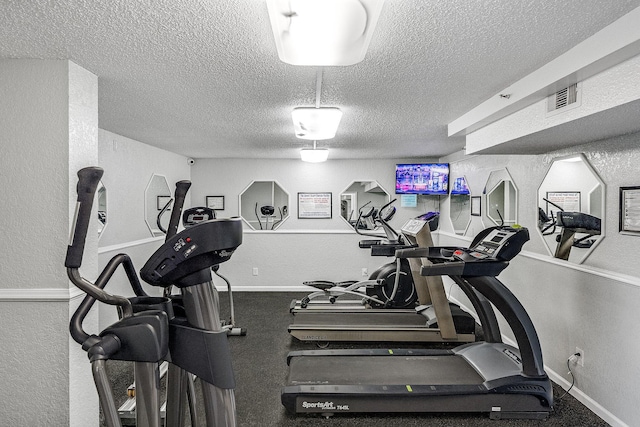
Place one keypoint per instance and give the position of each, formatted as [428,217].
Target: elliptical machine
[149,330]
[389,286]
[196,215]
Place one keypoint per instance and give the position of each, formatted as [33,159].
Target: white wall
[48,130]
[128,166]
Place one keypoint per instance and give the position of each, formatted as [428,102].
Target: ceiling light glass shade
[316,123]
[314,155]
[323,32]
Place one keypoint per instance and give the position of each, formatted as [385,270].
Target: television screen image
[422,178]
[460,186]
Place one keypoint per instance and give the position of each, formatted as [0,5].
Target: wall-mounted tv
[460,186]
[422,178]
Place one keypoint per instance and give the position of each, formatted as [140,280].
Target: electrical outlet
[255,271]
[580,359]
[365,272]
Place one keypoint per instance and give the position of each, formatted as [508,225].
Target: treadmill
[434,320]
[487,376]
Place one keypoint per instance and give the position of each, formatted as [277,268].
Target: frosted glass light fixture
[323,32]
[314,155]
[316,123]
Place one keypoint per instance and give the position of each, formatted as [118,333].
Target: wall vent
[564,99]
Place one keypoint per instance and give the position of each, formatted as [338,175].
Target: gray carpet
[261,370]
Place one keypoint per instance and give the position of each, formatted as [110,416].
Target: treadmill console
[488,254]
[414,225]
[499,244]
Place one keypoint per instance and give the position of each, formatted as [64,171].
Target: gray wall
[48,130]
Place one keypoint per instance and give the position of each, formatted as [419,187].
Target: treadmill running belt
[387,370]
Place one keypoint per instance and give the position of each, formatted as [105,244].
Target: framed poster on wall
[630,210]
[568,201]
[314,205]
[215,202]
[476,205]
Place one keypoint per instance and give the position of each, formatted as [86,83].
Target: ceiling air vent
[563,100]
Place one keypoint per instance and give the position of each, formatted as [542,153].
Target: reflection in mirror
[360,202]
[571,208]
[502,198]
[264,205]
[157,205]
[102,208]
[460,206]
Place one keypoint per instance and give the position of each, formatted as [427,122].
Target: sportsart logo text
[326,406]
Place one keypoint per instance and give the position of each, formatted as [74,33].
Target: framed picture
[568,201]
[215,202]
[630,210]
[314,205]
[476,205]
[162,201]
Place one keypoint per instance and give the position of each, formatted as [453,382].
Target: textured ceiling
[203,78]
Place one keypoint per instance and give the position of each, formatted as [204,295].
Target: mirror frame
[602,201]
[500,176]
[273,199]
[347,192]
[102,190]
[153,229]
[453,197]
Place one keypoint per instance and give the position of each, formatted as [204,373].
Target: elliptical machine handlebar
[182,187]
[88,179]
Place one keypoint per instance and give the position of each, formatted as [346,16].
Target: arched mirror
[362,199]
[157,205]
[102,208]
[501,198]
[264,205]
[571,208]
[460,205]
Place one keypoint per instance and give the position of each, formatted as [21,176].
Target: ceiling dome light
[323,32]
[316,123]
[314,155]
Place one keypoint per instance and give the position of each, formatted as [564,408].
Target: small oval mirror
[502,198]
[102,208]
[157,206]
[460,205]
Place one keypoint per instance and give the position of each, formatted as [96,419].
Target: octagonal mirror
[102,208]
[362,199]
[571,208]
[460,205]
[157,205]
[264,205]
[501,198]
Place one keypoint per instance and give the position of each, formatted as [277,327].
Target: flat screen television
[460,187]
[422,178]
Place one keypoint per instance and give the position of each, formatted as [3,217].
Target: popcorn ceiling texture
[202,78]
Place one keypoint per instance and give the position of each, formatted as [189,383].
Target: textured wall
[128,166]
[592,306]
[48,126]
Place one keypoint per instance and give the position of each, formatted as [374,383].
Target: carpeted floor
[259,360]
